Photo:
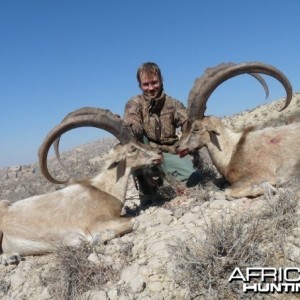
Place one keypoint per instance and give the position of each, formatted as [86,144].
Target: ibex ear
[113,165]
[214,138]
[215,132]
[121,167]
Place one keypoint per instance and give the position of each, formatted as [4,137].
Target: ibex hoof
[10,259]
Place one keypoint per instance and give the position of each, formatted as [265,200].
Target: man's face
[150,85]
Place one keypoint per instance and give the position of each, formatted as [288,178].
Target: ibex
[85,208]
[248,158]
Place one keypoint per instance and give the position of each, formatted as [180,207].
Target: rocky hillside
[184,246]
[267,115]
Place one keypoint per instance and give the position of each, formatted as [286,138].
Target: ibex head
[204,87]
[137,154]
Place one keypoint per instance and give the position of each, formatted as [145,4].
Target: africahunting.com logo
[267,280]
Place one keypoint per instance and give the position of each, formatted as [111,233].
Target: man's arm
[133,117]
[181,114]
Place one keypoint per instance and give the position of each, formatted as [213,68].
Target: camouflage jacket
[156,119]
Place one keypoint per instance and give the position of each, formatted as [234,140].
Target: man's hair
[150,69]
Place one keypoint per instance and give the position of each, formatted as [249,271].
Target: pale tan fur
[249,158]
[83,210]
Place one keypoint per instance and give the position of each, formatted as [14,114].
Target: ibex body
[249,158]
[82,210]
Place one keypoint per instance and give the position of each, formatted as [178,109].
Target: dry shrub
[248,241]
[75,274]
[175,187]
[204,268]
[4,286]
[206,177]
[283,211]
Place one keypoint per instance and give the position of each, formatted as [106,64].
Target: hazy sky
[60,55]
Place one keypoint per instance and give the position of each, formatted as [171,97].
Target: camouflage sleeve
[133,117]
[181,114]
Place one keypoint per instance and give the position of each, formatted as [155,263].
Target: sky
[60,55]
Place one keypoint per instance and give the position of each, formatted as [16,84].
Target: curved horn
[210,72]
[110,123]
[213,77]
[262,82]
[89,111]
[79,112]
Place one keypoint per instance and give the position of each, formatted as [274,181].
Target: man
[154,118]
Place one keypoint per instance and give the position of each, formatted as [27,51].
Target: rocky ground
[184,246]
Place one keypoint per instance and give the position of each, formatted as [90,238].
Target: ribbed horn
[112,124]
[213,77]
[80,112]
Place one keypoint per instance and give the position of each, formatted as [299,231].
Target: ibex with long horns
[248,158]
[82,210]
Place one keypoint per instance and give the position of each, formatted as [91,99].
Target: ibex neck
[107,182]
[222,152]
